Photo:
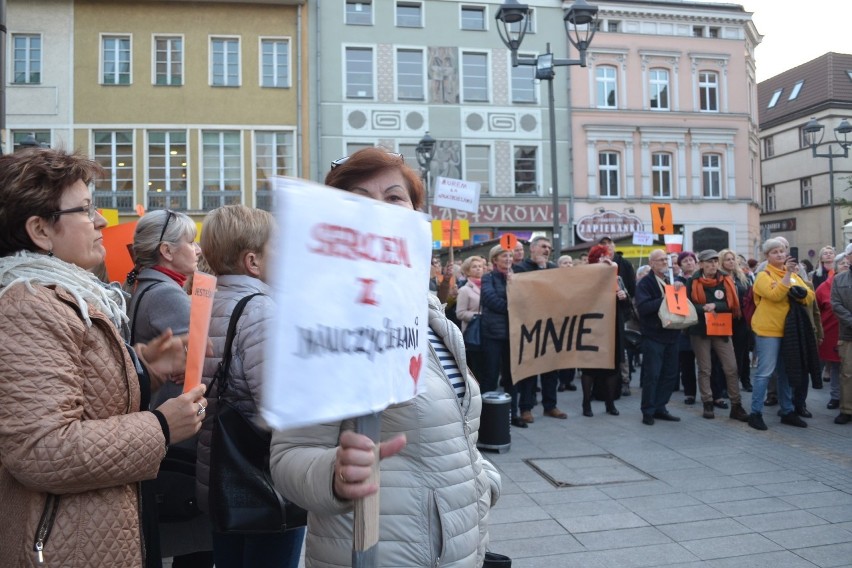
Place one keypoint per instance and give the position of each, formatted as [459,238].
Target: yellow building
[189,105]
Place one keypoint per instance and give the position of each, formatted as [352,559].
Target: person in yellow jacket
[771,296]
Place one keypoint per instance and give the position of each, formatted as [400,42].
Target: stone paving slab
[830,556]
[697,530]
[810,536]
[780,520]
[733,545]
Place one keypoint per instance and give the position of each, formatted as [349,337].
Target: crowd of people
[783,338]
[92,375]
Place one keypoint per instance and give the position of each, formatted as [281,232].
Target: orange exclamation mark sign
[661,218]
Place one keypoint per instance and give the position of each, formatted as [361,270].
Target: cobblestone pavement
[715,493]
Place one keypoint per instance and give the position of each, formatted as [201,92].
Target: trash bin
[495,422]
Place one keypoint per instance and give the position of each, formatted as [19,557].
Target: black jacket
[495,306]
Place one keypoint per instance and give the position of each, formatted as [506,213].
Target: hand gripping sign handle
[365,533]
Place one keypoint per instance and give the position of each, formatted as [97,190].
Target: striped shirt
[448,362]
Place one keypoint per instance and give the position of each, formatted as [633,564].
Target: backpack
[748,306]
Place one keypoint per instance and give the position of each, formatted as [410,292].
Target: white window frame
[529,70]
[346,12]
[664,171]
[41,136]
[224,195]
[117,74]
[806,191]
[774,100]
[168,180]
[289,159]
[487,186]
[464,78]
[345,83]
[473,7]
[154,52]
[705,87]
[711,175]
[602,82]
[397,74]
[410,3]
[768,146]
[797,88]
[275,40]
[657,87]
[111,182]
[227,40]
[29,61]
[769,197]
[605,172]
[537,181]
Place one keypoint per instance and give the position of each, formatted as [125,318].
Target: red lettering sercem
[352,244]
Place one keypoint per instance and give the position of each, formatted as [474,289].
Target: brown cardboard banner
[563,318]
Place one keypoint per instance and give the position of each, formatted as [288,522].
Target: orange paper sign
[661,218]
[676,300]
[508,241]
[719,324]
[203,288]
[117,242]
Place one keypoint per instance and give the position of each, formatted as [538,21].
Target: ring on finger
[201,409]
[340,476]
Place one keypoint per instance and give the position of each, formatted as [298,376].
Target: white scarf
[34,269]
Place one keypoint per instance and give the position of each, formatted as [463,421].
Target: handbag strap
[136,311]
[224,368]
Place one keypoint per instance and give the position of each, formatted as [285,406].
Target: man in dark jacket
[625,269]
[659,345]
[841,305]
[540,249]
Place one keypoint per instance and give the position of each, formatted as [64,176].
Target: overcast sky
[796,31]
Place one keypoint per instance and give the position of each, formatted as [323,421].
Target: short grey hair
[772,244]
[838,258]
[146,239]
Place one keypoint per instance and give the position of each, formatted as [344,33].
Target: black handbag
[242,498]
[473,333]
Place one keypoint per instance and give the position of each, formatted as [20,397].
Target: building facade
[664,112]
[796,201]
[188,105]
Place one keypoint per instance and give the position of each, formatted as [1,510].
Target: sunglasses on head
[169,215]
[344,159]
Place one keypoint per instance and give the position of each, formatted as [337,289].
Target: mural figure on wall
[443,75]
[447,160]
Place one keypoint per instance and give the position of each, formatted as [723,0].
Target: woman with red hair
[607,378]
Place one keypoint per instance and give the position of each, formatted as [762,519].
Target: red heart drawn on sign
[414,368]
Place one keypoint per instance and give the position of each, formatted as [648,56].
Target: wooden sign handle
[365,530]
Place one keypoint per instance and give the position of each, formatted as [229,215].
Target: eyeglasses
[90,210]
[344,159]
[169,214]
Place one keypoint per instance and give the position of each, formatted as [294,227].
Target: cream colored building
[796,186]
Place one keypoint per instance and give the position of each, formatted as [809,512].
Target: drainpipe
[2,72]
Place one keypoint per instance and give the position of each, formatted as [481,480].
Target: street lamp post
[425,151]
[580,21]
[814,132]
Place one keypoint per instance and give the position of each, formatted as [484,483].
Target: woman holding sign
[166,255]
[75,440]
[715,296]
[436,490]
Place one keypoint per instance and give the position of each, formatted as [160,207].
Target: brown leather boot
[738,412]
[708,410]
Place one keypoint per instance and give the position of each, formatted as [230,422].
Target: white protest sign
[643,238]
[351,282]
[457,194]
